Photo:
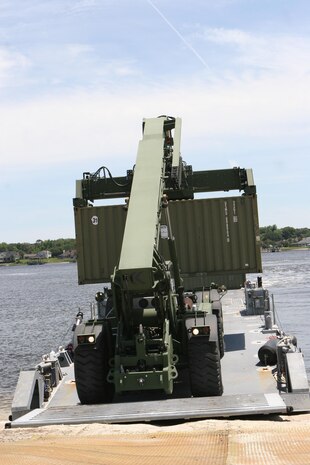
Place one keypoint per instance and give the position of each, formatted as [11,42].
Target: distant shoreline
[45,262]
[285,249]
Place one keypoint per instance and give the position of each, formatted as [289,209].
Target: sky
[78,76]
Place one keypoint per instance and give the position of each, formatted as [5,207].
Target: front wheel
[204,367]
[91,367]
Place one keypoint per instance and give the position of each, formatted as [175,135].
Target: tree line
[272,236]
[56,247]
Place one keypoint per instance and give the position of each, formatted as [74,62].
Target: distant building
[305,242]
[44,254]
[35,256]
[9,257]
[68,254]
[30,256]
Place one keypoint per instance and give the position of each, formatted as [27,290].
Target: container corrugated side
[99,234]
[216,239]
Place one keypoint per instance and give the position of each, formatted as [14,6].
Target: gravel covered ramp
[280,441]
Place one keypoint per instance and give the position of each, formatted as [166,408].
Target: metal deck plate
[155,410]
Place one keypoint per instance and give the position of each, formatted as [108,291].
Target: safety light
[201,331]
[86,339]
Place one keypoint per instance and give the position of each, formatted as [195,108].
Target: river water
[38,305]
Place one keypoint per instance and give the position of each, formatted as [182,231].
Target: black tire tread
[91,369]
[204,368]
[220,332]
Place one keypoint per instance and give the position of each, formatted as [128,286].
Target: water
[287,276]
[38,305]
[37,309]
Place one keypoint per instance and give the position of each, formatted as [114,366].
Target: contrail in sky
[188,45]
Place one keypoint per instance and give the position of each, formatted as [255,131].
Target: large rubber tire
[217,310]
[91,367]
[204,368]
[220,332]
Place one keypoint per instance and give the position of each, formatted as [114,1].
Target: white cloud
[269,52]
[81,6]
[224,36]
[60,129]
[72,126]
[76,50]
[266,108]
[11,62]
[66,65]
[34,8]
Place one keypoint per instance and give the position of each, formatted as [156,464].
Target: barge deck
[250,388]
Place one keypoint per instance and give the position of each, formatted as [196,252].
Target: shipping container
[217,240]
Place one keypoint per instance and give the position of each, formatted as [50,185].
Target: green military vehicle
[178,330]
[162,252]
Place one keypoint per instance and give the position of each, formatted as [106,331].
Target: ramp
[170,409]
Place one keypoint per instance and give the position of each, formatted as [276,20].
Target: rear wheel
[91,366]
[204,368]
[218,312]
